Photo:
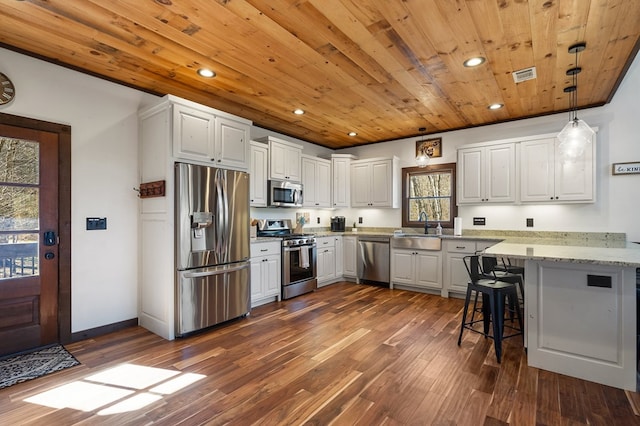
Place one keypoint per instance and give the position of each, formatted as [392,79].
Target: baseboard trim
[105,329]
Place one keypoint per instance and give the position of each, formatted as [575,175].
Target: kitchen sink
[417,241]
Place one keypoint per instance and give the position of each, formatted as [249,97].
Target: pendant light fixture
[576,134]
[422,159]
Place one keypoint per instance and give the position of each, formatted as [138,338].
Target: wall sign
[625,168]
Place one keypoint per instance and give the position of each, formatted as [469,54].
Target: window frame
[407,172]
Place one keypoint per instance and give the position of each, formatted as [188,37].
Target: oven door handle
[297,248]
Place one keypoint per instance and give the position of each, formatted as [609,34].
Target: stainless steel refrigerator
[212,246]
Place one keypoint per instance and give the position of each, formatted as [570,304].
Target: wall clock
[7,90]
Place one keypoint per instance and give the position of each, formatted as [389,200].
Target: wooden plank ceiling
[381,68]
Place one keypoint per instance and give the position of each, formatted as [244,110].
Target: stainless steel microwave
[283,193]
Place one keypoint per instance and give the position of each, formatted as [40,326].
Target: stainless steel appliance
[299,257]
[373,259]
[212,246]
[283,193]
[337,223]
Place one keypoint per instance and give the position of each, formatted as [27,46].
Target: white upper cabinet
[546,177]
[375,183]
[486,174]
[341,172]
[206,136]
[284,159]
[316,182]
[258,179]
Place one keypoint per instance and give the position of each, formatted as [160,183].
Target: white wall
[104,169]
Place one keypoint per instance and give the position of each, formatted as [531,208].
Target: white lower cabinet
[265,272]
[455,276]
[329,264]
[350,266]
[421,269]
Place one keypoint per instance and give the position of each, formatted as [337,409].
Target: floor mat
[31,365]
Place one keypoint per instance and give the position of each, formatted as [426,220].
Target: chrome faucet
[426,221]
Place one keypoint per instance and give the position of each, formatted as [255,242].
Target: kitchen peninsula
[580,307]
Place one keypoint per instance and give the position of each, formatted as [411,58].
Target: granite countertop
[626,255]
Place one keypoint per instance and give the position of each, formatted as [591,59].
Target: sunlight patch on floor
[125,385]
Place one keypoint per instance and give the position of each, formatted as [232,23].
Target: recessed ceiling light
[353,134]
[495,106]
[298,111]
[474,62]
[206,72]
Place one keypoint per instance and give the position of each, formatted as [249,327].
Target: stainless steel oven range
[299,256]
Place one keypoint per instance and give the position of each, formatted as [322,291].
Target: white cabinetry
[546,177]
[375,183]
[486,174]
[581,321]
[421,269]
[316,182]
[173,130]
[258,179]
[455,275]
[265,272]
[284,159]
[350,245]
[341,174]
[206,136]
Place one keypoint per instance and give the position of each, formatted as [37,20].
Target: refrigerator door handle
[219,181]
[227,226]
[216,271]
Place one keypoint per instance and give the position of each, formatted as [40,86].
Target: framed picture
[429,147]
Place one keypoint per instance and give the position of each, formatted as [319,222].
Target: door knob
[49,255]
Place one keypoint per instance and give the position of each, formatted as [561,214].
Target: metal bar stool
[495,294]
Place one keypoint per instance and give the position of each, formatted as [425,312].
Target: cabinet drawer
[459,246]
[323,242]
[482,245]
[265,249]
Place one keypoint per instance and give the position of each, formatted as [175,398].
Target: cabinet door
[574,179]
[323,183]
[309,182]
[360,185]
[330,263]
[193,134]
[402,266]
[339,257]
[292,164]
[232,144]
[428,269]
[322,265]
[500,173]
[350,256]
[341,182]
[381,184]
[258,178]
[257,290]
[277,161]
[537,170]
[456,276]
[271,276]
[470,176]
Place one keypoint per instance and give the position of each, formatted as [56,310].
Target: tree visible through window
[430,190]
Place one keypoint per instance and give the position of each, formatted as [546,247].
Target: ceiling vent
[524,74]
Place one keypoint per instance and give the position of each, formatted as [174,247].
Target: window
[431,190]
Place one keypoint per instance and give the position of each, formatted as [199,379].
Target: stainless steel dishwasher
[373,259]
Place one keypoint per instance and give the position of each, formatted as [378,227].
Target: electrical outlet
[479,221]
[360,219]
[529,222]
[95,223]
[318,221]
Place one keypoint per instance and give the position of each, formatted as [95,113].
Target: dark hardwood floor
[347,354]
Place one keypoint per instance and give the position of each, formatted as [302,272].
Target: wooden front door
[28,238]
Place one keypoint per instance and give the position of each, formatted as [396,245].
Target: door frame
[64,213]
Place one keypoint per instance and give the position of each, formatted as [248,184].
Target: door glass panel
[19,208]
